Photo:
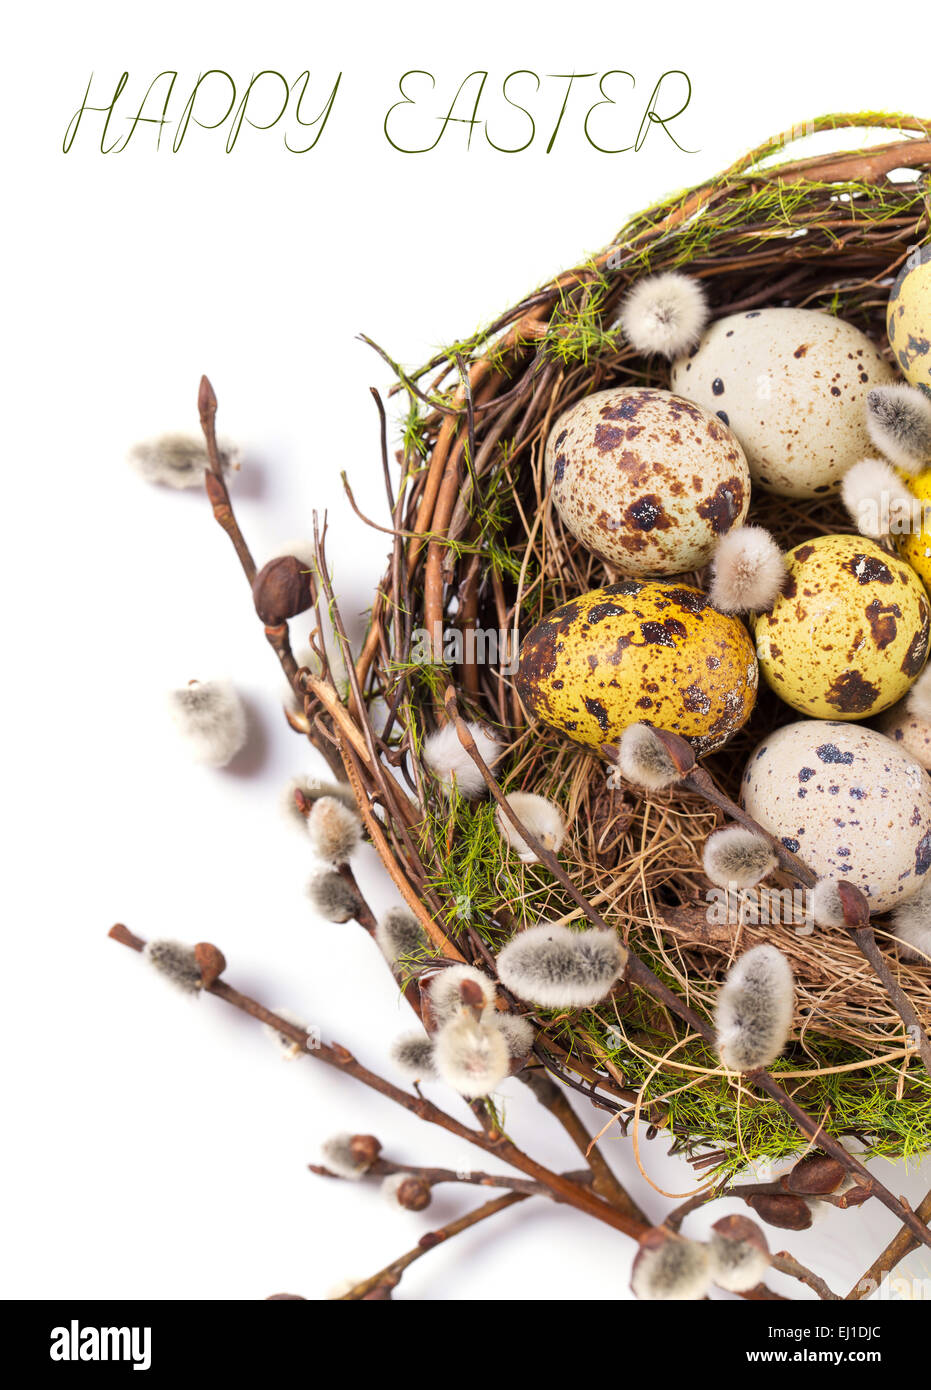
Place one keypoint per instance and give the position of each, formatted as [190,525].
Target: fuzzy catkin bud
[471,1056]
[350,1156]
[179,460]
[176,961]
[333,897]
[412,1053]
[898,418]
[739,1254]
[754,1013]
[334,830]
[558,968]
[643,760]
[748,571]
[668,1268]
[664,314]
[452,765]
[398,933]
[518,1033]
[211,720]
[737,856]
[542,818]
[443,991]
[287,1048]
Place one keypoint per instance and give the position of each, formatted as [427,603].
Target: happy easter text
[508,114]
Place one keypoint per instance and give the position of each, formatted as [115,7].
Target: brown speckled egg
[646,480]
[913,735]
[908,318]
[849,632]
[848,802]
[792,385]
[638,651]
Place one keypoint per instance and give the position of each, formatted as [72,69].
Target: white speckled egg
[792,385]
[848,802]
[913,735]
[646,479]
[908,318]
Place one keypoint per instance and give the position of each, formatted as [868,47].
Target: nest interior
[477,547]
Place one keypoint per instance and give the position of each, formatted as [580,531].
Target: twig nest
[669,1268]
[848,634]
[848,801]
[664,314]
[558,968]
[639,651]
[739,1254]
[646,479]
[541,817]
[451,763]
[912,734]
[911,925]
[908,318]
[179,460]
[471,1055]
[737,857]
[335,831]
[792,384]
[899,421]
[754,1011]
[211,720]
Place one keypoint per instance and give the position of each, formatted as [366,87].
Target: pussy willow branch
[341,1059]
[636,972]
[788,1264]
[389,1277]
[434,1177]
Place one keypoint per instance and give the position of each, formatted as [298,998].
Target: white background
[156,1146]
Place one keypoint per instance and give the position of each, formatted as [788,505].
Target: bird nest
[477,549]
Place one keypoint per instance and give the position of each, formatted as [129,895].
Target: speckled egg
[639,651]
[646,480]
[792,385]
[848,634]
[908,318]
[848,801]
[915,545]
[913,735]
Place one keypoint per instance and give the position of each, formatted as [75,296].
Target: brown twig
[341,1059]
[434,1177]
[787,1264]
[902,1244]
[389,1277]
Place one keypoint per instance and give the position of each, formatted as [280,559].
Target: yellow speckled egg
[908,318]
[639,651]
[645,479]
[792,384]
[848,801]
[915,545]
[848,634]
